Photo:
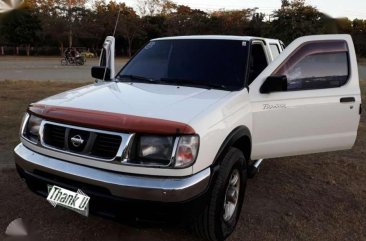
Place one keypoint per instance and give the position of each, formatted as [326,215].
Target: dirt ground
[48,68]
[313,197]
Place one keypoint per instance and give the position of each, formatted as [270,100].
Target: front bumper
[121,185]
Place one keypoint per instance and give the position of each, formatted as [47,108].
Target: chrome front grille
[82,141]
[96,144]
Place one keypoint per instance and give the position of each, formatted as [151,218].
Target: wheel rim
[232,195]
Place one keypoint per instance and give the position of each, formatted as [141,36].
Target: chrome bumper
[119,184]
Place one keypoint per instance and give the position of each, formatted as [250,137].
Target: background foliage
[46,27]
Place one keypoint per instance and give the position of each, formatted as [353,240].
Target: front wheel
[79,61]
[219,218]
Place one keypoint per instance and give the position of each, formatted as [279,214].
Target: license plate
[75,201]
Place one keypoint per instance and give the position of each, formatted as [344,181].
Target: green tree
[153,26]
[59,20]
[186,21]
[235,22]
[21,27]
[344,25]
[295,19]
[72,11]
[130,27]
[155,7]
[55,30]
[257,25]
[359,36]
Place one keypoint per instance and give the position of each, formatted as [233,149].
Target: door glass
[258,62]
[274,49]
[316,65]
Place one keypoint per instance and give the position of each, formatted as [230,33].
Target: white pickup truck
[188,119]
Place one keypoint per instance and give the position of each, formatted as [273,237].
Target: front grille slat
[55,136]
[109,137]
[104,150]
[106,145]
[110,148]
[109,143]
[116,142]
[74,140]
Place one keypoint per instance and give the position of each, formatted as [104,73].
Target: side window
[258,61]
[316,65]
[275,50]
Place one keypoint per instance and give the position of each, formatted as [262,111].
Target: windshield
[192,62]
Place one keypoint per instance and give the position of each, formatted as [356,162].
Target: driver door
[319,107]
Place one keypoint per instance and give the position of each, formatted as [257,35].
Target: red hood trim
[110,121]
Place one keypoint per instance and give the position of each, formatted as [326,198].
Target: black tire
[210,224]
[79,61]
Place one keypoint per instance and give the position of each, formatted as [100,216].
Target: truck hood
[167,102]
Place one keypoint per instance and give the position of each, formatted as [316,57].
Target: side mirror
[274,84]
[101,72]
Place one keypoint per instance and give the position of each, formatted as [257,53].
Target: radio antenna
[115,26]
[114,33]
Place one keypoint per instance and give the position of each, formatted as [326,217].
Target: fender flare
[235,135]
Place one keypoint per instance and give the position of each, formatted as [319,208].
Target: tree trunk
[70,25]
[2,50]
[17,50]
[70,38]
[27,48]
[62,48]
[129,47]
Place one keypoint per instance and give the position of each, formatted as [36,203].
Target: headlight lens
[32,128]
[157,148]
[186,151]
[167,151]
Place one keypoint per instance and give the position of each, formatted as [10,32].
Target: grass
[362,60]
[15,96]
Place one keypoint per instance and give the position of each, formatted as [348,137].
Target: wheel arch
[240,138]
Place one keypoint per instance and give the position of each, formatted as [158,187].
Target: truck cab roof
[216,37]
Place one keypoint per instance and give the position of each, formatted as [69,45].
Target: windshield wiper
[136,78]
[193,83]
[173,81]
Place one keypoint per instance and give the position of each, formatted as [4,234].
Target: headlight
[31,130]
[186,152]
[166,151]
[23,123]
[156,149]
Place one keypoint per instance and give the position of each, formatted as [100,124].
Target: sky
[334,8]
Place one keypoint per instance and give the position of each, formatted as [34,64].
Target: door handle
[347,99]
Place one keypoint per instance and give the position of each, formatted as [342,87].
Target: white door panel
[305,121]
[303,126]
